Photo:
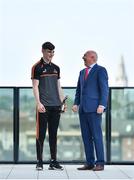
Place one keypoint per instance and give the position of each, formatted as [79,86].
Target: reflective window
[27,125]
[6,124]
[122,119]
[69,142]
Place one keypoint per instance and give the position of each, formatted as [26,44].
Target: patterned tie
[86,72]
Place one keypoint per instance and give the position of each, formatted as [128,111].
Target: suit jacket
[93,91]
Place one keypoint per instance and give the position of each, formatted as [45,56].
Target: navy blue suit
[91,93]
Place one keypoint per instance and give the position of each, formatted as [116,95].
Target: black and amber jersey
[48,75]
[42,69]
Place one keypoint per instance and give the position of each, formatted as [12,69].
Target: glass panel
[122,114]
[68,135]
[27,126]
[6,124]
[70,146]
[104,132]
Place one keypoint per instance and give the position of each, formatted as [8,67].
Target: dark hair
[48,45]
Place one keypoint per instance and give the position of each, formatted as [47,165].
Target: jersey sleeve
[58,73]
[35,73]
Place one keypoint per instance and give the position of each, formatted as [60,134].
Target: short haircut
[93,52]
[48,45]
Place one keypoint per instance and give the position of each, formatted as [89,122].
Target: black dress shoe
[86,167]
[98,167]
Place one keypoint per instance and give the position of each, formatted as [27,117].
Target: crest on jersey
[44,71]
[55,71]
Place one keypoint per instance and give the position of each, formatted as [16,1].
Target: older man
[91,99]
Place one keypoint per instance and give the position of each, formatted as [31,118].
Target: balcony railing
[17,127]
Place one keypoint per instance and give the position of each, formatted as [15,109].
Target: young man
[48,95]
[91,98]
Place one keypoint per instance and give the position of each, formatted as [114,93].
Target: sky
[73,26]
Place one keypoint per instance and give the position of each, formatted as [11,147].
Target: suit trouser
[51,119]
[92,137]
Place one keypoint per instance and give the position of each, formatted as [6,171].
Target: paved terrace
[11,171]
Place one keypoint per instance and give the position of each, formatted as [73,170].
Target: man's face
[48,54]
[89,58]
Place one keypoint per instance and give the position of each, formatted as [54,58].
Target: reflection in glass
[27,125]
[122,115]
[69,142]
[6,124]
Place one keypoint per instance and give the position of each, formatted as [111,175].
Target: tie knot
[87,68]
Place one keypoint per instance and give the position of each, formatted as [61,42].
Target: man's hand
[100,109]
[65,107]
[41,108]
[75,108]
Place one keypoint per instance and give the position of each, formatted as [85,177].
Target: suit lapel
[82,76]
[94,68]
[83,81]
